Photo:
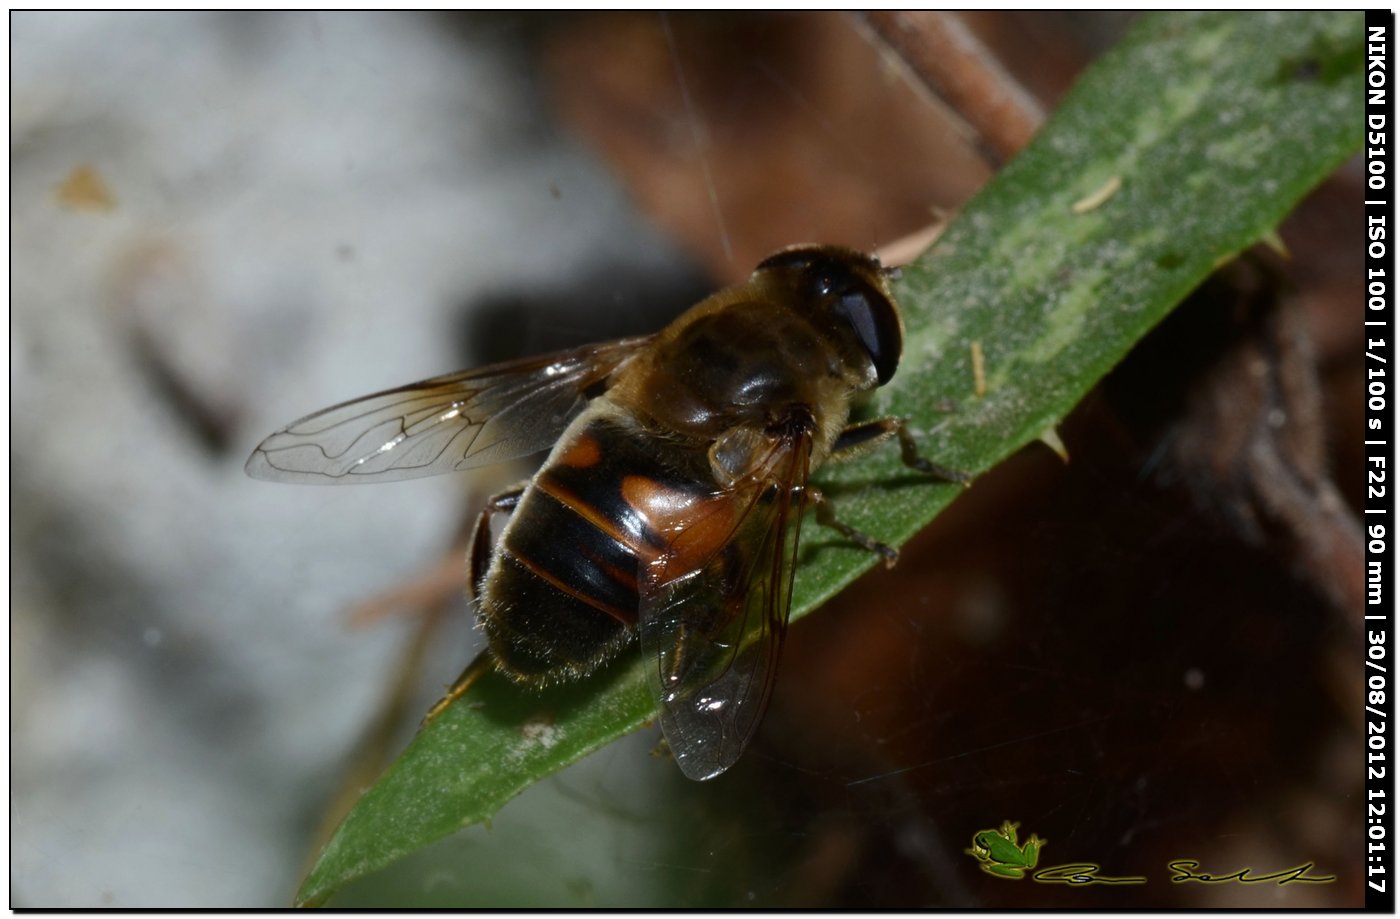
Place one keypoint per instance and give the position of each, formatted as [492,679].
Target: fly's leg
[443,581]
[859,438]
[827,518]
[866,435]
[481,665]
[479,555]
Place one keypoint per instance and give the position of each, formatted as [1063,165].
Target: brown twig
[953,64]
[371,753]
[429,597]
[1253,440]
[433,586]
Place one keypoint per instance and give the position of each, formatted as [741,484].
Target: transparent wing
[711,633]
[458,421]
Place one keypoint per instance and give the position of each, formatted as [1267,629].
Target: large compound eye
[796,257]
[872,317]
[834,282]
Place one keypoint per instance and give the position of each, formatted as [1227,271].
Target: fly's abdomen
[561,593]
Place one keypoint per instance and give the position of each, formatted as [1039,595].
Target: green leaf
[1182,147]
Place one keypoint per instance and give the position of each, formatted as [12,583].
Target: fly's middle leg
[859,438]
[827,518]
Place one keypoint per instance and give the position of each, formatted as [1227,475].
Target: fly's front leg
[827,518]
[479,555]
[866,435]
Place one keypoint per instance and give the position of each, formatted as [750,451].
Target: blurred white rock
[286,210]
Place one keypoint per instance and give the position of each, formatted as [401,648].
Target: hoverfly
[669,507]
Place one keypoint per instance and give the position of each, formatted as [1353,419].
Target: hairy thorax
[728,369]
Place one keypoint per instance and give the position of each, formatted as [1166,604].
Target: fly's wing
[448,423]
[713,613]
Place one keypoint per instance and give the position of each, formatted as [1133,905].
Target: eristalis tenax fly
[669,508]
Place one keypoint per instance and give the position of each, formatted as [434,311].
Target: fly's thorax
[739,360]
[810,330]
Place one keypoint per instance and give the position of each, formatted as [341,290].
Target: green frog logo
[1000,854]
